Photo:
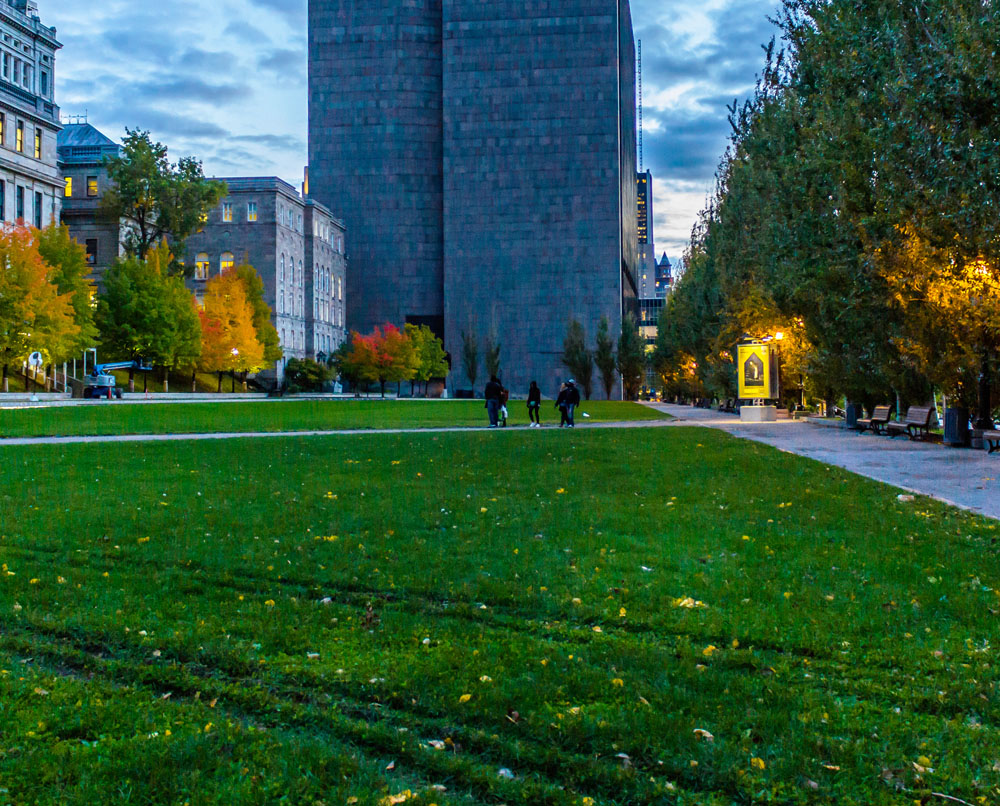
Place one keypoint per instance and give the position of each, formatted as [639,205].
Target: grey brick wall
[375,149]
[482,155]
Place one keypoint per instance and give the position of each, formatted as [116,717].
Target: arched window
[301,275]
[201,264]
[281,276]
[281,303]
[226,262]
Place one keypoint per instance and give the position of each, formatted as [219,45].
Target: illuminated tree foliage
[859,198]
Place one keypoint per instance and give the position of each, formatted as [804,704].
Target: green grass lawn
[102,417]
[557,618]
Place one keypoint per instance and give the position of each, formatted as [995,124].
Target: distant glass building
[483,158]
[644,231]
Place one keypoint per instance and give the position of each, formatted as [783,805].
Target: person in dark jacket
[568,400]
[534,405]
[493,393]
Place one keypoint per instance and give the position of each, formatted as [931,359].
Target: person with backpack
[534,405]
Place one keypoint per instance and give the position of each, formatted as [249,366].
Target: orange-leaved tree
[229,339]
[33,314]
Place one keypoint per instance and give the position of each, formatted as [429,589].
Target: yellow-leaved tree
[229,338]
[34,316]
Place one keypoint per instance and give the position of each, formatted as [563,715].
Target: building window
[252,212]
[44,83]
[38,211]
[92,251]
[19,139]
[3,129]
[201,264]
[227,262]
[19,200]
[202,221]
[301,275]
[3,201]
[68,193]
[38,143]
[282,275]
[6,66]
[281,303]
[340,289]
[227,212]
[92,187]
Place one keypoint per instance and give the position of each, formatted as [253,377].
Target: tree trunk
[245,374]
[194,381]
[232,375]
[166,379]
[382,386]
[984,415]
[145,383]
[6,381]
[220,382]
[131,378]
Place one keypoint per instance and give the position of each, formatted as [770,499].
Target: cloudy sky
[225,81]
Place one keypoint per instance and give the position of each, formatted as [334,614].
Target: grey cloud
[284,62]
[247,32]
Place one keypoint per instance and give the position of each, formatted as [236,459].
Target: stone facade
[82,150]
[30,186]
[375,150]
[297,247]
[488,149]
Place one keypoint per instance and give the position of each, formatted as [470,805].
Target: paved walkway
[965,478]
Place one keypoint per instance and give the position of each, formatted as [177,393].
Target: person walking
[534,405]
[561,405]
[504,397]
[493,392]
[569,399]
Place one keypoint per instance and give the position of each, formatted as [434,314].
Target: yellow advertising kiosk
[758,381]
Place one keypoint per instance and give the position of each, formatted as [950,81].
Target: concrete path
[965,478]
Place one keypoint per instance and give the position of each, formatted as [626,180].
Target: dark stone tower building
[483,156]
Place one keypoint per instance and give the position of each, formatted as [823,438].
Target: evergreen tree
[577,358]
[604,357]
[631,359]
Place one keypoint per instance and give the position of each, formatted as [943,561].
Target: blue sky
[225,81]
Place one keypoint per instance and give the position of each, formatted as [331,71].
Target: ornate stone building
[30,185]
[297,247]
[82,150]
[483,156]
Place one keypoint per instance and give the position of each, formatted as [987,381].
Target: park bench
[877,422]
[992,440]
[916,424]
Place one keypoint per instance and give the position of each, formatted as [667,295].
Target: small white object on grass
[586,415]
[904,499]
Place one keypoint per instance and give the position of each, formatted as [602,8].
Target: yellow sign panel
[757,372]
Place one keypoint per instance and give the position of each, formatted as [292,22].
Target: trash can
[956,427]
[853,413]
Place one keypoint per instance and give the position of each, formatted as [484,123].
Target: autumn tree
[152,198]
[71,275]
[34,315]
[229,338]
[432,361]
[145,314]
[267,334]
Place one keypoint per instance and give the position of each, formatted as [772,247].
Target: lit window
[202,221]
[201,264]
[19,141]
[226,262]
[252,212]
[91,251]
[69,187]
[3,128]
[227,212]
[92,187]
[38,143]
